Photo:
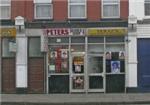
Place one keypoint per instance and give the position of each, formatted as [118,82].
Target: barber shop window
[5,6]
[111,8]
[43,9]
[35,47]
[147,7]
[8,47]
[77,9]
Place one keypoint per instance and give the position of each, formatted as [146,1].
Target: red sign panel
[58,31]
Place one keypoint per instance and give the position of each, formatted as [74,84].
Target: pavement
[76,99]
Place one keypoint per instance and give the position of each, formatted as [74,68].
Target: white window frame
[69,5]
[6,5]
[146,16]
[46,4]
[102,4]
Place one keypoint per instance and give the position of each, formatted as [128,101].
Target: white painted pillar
[0,66]
[21,61]
[132,61]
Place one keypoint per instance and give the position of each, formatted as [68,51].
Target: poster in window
[53,54]
[121,55]
[115,66]
[64,66]
[108,55]
[52,68]
[78,82]
[77,68]
[64,54]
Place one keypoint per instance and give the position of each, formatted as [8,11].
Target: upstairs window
[77,9]
[147,7]
[43,9]
[111,8]
[5,6]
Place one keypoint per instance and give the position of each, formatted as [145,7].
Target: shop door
[77,76]
[144,64]
[96,77]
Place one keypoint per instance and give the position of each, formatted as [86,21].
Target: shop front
[7,59]
[86,60]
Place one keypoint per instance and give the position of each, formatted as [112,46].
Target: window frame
[9,53]
[78,4]
[46,4]
[28,50]
[145,2]
[102,8]
[6,5]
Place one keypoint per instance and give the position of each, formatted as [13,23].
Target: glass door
[77,76]
[96,73]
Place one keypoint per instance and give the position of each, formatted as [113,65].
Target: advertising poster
[53,54]
[64,54]
[108,55]
[121,55]
[115,66]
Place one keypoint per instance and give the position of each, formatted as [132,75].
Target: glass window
[34,47]
[95,64]
[5,9]
[114,39]
[95,39]
[58,60]
[77,48]
[77,9]
[54,40]
[78,40]
[111,8]
[96,82]
[147,7]
[43,11]
[5,47]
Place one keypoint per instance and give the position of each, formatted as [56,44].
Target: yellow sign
[7,32]
[107,32]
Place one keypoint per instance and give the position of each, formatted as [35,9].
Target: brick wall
[93,10]
[60,10]
[36,75]
[124,9]
[25,8]
[8,75]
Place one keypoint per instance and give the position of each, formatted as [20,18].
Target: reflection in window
[95,64]
[34,47]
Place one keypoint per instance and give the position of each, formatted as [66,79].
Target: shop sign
[65,31]
[78,31]
[58,32]
[107,32]
[7,32]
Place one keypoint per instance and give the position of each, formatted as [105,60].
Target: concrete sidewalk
[76,99]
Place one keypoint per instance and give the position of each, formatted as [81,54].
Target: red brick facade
[93,10]
[35,75]
[8,75]
[124,9]
[60,10]
[25,8]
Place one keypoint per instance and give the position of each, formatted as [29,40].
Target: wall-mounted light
[19,23]
[132,22]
